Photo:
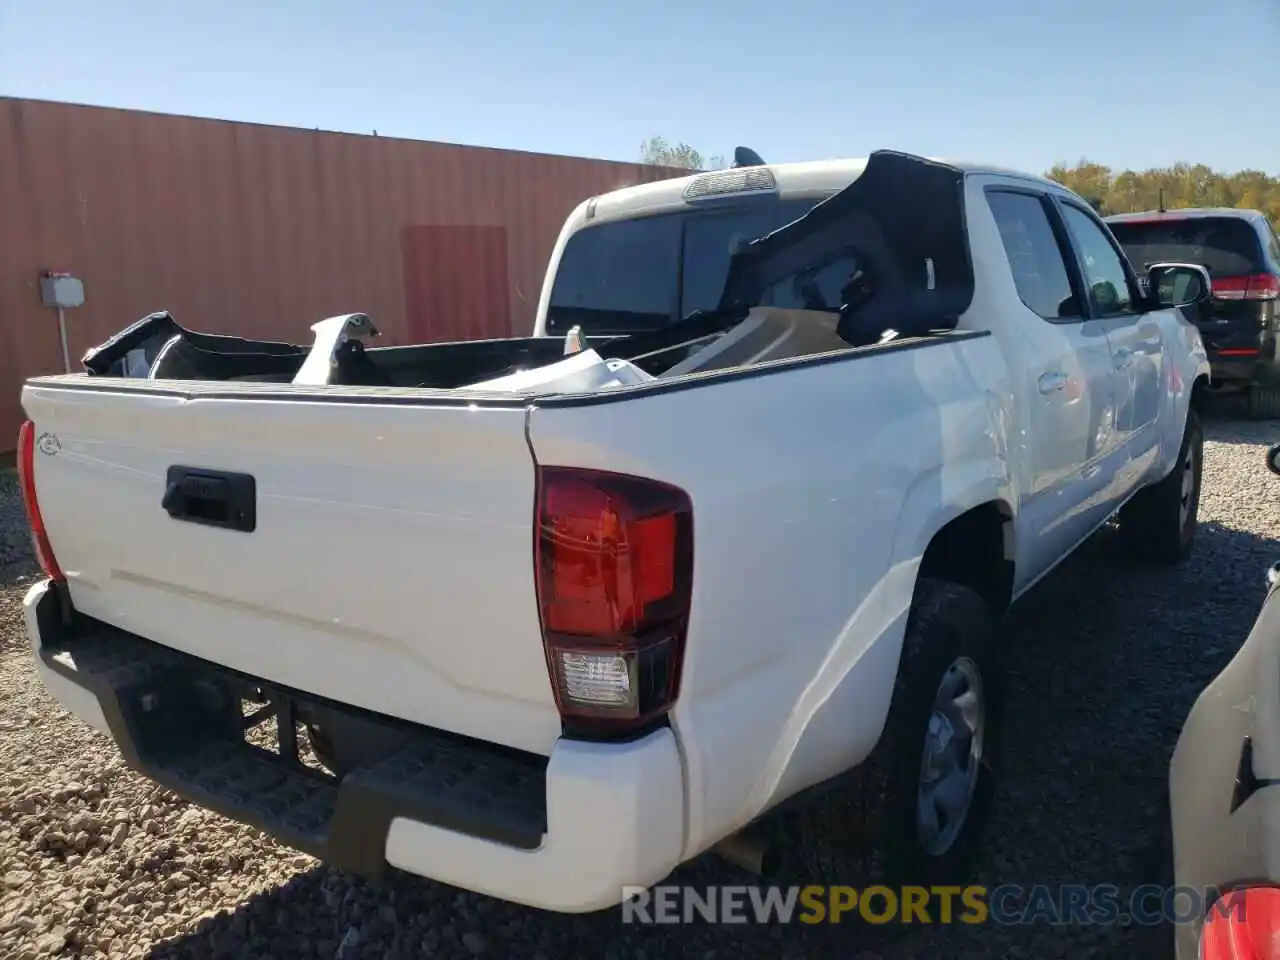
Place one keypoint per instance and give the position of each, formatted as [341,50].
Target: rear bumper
[1229,367]
[1244,372]
[563,833]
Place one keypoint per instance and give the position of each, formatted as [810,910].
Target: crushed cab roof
[806,178]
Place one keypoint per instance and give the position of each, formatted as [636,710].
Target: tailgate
[1229,327]
[390,560]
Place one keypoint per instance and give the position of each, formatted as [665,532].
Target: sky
[1127,83]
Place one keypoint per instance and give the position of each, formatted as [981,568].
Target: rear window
[631,276]
[1225,246]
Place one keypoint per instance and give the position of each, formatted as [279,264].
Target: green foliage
[659,152]
[1183,185]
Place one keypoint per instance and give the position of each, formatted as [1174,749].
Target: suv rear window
[631,276]
[1225,246]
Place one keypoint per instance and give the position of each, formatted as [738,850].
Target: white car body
[391,565]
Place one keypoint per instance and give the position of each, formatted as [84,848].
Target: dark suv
[1240,323]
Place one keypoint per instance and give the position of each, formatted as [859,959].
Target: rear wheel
[1264,403]
[1159,523]
[913,812]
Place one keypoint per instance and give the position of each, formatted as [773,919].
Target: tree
[657,151]
[1181,185]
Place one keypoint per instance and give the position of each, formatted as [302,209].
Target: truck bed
[157,348]
[135,351]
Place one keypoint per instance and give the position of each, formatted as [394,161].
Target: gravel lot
[1104,661]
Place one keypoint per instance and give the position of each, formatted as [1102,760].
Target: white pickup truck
[547,642]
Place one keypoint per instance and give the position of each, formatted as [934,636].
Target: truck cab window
[1104,273]
[711,240]
[618,277]
[1035,257]
[633,276]
[820,287]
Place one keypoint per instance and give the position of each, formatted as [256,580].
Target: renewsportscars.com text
[1007,904]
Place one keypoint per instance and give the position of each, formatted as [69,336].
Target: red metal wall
[256,230]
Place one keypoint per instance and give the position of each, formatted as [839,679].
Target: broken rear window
[632,276]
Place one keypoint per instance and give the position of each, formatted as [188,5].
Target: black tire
[1264,403]
[864,829]
[1153,524]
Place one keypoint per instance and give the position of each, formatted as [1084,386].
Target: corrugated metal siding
[261,231]
[455,283]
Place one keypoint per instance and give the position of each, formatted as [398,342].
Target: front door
[1137,343]
[1064,362]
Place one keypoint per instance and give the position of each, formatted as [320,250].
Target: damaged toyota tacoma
[714,560]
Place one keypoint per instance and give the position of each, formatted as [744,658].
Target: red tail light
[614,569]
[1243,925]
[27,481]
[1259,286]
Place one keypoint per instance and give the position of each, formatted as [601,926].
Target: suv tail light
[1243,925]
[1258,286]
[614,571]
[27,481]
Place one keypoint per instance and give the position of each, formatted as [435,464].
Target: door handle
[211,497]
[1052,382]
[1122,358]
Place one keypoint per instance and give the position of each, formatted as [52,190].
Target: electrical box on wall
[61,290]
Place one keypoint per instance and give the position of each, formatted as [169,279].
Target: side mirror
[1273,459]
[1178,284]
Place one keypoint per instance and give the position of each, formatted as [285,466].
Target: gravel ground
[1104,660]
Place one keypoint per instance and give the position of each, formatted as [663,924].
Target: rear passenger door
[1062,359]
[1113,299]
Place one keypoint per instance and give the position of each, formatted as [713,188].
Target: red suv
[1240,324]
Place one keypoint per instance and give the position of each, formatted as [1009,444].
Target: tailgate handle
[214,498]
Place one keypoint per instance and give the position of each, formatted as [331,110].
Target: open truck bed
[896,234]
